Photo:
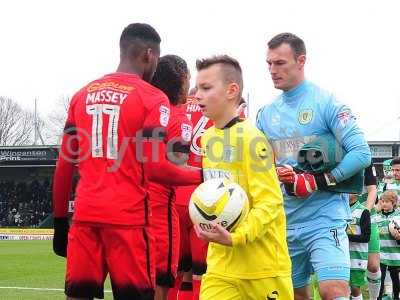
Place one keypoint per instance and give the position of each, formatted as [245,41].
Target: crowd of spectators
[24,204]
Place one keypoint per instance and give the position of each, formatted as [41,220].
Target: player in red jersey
[172,76]
[115,132]
[193,250]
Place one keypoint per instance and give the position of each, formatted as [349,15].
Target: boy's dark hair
[140,35]
[170,74]
[230,68]
[395,161]
[296,44]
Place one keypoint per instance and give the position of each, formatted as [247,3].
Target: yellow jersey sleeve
[263,189]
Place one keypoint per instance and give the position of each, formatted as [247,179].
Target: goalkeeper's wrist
[324,180]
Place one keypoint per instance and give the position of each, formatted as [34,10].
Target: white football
[218,201]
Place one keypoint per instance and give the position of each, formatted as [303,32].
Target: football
[218,201]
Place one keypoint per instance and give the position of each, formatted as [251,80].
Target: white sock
[359,297]
[374,284]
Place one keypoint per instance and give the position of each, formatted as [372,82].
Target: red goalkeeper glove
[286,174]
[302,185]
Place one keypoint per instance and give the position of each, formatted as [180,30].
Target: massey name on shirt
[106,96]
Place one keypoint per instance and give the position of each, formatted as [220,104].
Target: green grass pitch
[33,265]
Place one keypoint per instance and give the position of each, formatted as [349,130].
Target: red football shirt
[108,114]
[179,136]
[200,124]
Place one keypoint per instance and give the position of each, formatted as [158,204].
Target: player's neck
[298,82]
[388,211]
[225,118]
[124,67]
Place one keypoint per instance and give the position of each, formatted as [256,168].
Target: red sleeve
[62,181]
[156,165]
[179,134]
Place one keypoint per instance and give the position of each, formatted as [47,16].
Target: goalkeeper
[316,218]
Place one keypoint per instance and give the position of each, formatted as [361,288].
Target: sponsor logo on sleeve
[164,115]
[186,132]
[344,117]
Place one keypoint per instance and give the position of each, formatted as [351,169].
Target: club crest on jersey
[186,132]
[305,116]
[164,115]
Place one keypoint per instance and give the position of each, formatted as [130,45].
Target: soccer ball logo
[218,201]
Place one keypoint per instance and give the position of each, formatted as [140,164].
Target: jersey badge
[305,116]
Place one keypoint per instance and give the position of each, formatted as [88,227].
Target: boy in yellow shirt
[253,261]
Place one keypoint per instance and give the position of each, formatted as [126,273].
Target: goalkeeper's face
[217,98]
[287,70]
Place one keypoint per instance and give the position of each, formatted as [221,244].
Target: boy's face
[386,204]
[212,92]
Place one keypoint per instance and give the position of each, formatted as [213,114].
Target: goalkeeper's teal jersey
[299,116]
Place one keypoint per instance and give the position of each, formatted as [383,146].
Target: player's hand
[218,235]
[302,186]
[60,239]
[396,235]
[286,174]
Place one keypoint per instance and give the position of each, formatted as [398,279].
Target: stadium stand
[24,204]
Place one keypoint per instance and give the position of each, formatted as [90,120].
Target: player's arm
[264,192]
[343,125]
[179,138]
[62,184]
[365,226]
[156,164]
[370,183]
